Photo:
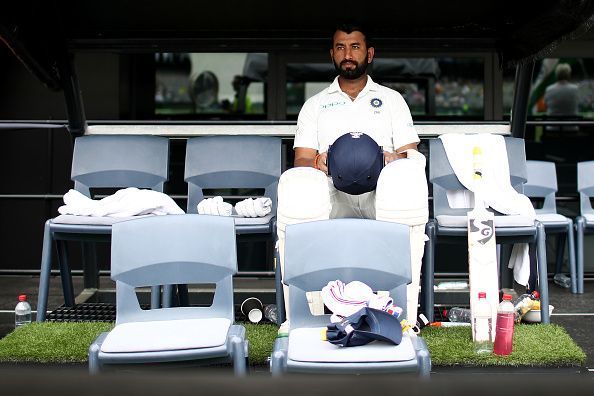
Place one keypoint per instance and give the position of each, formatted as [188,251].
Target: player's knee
[303,194]
[402,193]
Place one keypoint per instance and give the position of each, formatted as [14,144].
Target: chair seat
[306,345]
[167,335]
[589,218]
[551,219]
[93,220]
[241,221]
[500,221]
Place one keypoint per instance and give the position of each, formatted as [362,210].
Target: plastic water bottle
[271,313]
[22,312]
[504,328]
[481,325]
[457,314]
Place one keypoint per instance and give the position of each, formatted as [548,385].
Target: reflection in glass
[430,86]
[210,83]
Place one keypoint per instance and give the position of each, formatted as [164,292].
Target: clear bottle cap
[23,297]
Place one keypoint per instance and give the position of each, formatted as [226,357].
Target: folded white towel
[250,207]
[345,300]
[215,206]
[124,203]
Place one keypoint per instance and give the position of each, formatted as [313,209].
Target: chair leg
[542,272]
[571,256]
[167,296]
[428,296]
[560,253]
[90,267]
[44,276]
[239,356]
[94,365]
[65,274]
[280,296]
[580,225]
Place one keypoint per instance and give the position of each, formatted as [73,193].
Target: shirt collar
[369,86]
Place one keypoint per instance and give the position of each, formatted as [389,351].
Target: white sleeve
[307,126]
[403,128]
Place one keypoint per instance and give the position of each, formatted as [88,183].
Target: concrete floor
[574,312]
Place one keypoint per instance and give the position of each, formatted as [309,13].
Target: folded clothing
[124,203]
[215,206]
[344,300]
[364,326]
[250,207]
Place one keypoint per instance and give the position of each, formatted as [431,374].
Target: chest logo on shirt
[356,135]
[376,102]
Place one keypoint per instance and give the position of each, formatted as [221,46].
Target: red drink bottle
[504,329]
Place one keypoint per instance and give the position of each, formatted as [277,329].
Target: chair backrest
[585,185]
[232,162]
[120,161]
[443,178]
[374,252]
[173,249]
[542,183]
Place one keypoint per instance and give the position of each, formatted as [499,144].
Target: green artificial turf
[534,345]
[50,342]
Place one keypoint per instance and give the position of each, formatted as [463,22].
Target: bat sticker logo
[484,228]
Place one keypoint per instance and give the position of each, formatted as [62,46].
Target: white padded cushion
[500,221]
[253,220]
[551,218]
[167,335]
[92,220]
[306,345]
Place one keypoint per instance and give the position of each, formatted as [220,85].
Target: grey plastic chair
[235,162]
[443,178]
[542,183]
[168,250]
[100,161]
[221,162]
[585,222]
[374,252]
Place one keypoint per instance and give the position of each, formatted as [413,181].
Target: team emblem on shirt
[376,102]
[356,135]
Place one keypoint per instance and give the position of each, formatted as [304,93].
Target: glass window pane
[210,84]
[430,86]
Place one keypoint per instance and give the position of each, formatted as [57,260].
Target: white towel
[124,203]
[345,300]
[215,206]
[258,207]
[495,187]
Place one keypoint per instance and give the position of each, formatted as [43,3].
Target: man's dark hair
[350,27]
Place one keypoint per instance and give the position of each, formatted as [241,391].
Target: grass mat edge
[534,345]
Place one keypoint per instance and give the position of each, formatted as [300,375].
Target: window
[430,86]
[210,84]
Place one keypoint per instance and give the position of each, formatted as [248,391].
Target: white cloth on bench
[496,188]
[127,202]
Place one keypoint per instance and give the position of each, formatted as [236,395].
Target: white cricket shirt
[378,111]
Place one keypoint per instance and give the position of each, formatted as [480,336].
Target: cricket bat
[482,251]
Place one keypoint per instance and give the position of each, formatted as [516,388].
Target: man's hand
[389,157]
[322,162]
[309,157]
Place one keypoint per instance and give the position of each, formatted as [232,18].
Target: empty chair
[167,250]
[238,162]
[585,222]
[449,224]
[100,161]
[542,183]
[374,252]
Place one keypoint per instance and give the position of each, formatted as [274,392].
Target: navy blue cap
[364,326]
[355,161]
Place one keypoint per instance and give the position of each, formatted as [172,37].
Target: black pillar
[521,97]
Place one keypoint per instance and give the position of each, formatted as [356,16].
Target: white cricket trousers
[306,194]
